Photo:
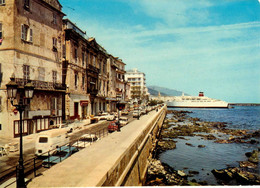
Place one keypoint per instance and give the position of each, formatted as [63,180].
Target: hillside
[153,90]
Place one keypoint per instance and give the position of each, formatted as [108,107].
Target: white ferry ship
[200,101]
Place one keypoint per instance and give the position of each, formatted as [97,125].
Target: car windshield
[60,153]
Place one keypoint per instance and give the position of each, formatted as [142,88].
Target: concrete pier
[119,159]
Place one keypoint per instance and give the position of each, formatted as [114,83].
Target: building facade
[30,51]
[137,80]
[100,103]
[75,55]
[74,77]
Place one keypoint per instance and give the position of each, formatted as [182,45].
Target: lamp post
[118,97]
[26,94]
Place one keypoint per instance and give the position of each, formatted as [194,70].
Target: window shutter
[22,33]
[1,32]
[31,35]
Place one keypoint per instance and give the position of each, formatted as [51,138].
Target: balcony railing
[92,68]
[41,85]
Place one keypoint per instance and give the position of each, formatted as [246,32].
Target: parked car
[85,140]
[103,116]
[136,113]
[59,155]
[123,120]
[124,112]
[49,140]
[143,111]
[110,117]
[112,126]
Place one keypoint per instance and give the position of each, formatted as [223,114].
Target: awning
[83,103]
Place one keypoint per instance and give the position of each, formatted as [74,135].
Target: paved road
[11,160]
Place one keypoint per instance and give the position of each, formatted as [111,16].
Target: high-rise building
[137,80]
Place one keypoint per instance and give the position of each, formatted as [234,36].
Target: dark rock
[247,164]
[193,172]
[247,178]
[167,145]
[256,134]
[254,157]
[189,144]
[222,141]
[253,141]
[248,154]
[224,174]
[203,183]
[190,183]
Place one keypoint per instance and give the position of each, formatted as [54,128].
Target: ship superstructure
[200,101]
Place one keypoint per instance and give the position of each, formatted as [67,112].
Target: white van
[49,140]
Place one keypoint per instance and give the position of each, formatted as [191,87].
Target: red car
[112,127]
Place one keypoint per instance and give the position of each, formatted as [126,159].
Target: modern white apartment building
[137,82]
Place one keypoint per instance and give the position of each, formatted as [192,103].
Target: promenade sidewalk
[29,140]
[89,167]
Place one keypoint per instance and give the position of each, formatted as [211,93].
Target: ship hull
[175,104]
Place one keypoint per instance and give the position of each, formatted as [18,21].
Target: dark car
[59,155]
[112,126]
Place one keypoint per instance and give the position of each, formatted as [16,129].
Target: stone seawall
[120,159]
[134,163]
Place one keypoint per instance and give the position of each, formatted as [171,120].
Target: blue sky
[191,46]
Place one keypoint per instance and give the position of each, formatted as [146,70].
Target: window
[27,4]
[54,18]
[54,110]
[26,72]
[54,76]
[27,33]
[64,51]
[83,59]
[41,73]
[2,2]
[43,139]
[54,44]
[104,68]
[83,82]
[76,54]
[1,31]
[87,58]
[94,61]
[76,80]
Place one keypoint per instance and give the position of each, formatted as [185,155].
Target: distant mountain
[153,90]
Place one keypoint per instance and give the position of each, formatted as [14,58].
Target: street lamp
[25,93]
[118,97]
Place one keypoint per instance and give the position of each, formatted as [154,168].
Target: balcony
[92,69]
[41,85]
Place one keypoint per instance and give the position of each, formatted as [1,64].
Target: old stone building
[30,50]
[101,65]
[75,58]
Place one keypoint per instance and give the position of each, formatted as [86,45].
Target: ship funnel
[201,94]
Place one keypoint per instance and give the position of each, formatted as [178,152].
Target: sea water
[214,155]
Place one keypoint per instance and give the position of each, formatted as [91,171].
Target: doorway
[76,110]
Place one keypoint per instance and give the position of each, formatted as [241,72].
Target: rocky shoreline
[181,125]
